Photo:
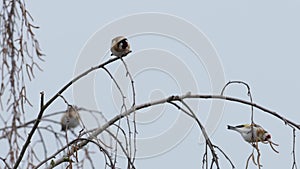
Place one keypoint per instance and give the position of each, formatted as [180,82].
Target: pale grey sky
[256,41]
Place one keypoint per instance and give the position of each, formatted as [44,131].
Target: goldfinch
[70,118]
[120,46]
[252,133]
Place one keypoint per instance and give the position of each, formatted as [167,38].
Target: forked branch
[178,98]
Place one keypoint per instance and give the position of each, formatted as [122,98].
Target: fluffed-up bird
[252,133]
[120,46]
[70,118]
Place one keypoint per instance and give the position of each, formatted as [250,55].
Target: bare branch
[4,161]
[232,99]
[204,133]
[18,45]
[48,103]
[177,98]
[250,157]
[225,155]
[28,140]
[248,93]
[294,166]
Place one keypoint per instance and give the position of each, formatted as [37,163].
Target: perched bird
[70,118]
[252,133]
[120,46]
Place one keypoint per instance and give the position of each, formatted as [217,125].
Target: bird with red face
[252,133]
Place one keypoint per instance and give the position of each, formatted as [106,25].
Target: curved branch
[248,93]
[48,103]
[264,109]
[178,98]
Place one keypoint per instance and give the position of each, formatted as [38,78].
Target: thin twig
[133,154]
[205,158]
[50,101]
[204,133]
[225,155]
[251,100]
[258,156]
[251,156]
[294,166]
[28,140]
[264,109]
[131,164]
[123,106]
[178,98]
[4,161]
[271,145]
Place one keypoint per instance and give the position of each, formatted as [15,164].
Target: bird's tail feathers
[230,127]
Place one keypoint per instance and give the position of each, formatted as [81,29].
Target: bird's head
[119,42]
[120,46]
[267,137]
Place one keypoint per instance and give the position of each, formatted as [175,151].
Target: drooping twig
[248,93]
[250,96]
[251,156]
[18,46]
[178,98]
[257,106]
[271,145]
[65,100]
[258,156]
